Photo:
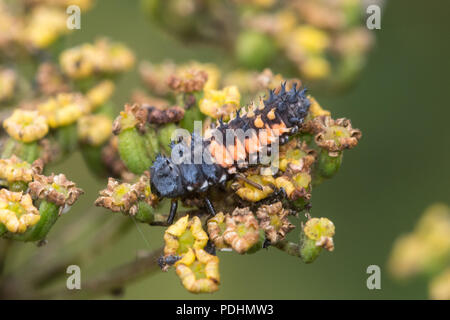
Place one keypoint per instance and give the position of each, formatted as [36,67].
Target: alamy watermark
[73,282]
[74,18]
[374,280]
[374,19]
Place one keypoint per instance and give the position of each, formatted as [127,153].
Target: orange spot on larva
[258,122]
[271,114]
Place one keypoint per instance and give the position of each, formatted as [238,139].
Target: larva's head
[292,105]
[165,178]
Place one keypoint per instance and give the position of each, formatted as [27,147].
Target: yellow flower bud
[101,57]
[220,103]
[320,230]
[94,129]
[440,286]
[184,234]
[8,81]
[26,126]
[45,25]
[315,67]
[315,110]
[75,64]
[310,39]
[64,109]
[99,94]
[14,169]
[426,250]
[250,193]
[17,212]
[199,273]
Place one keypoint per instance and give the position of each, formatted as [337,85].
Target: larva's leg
[210,207]
[281,194]
[173,211]
[250,182]
[266,243]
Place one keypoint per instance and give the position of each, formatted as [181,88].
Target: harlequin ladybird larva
[204,162]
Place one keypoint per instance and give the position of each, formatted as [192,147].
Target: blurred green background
[400,167]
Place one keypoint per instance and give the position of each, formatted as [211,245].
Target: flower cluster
[102,57]
[256,206]
[30,203]
[68,106]
[325,40]
[34,24]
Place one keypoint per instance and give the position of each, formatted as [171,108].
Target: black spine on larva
[291,107]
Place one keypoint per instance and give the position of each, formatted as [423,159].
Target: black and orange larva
[271,122]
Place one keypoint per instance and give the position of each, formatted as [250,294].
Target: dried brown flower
[242,230]
[50,80]
[124,197]
[164,115]
[133,116]
[216,227]
[274,220]
[335,135]
[188,80]
[155,76]
[140,97]
[55,188]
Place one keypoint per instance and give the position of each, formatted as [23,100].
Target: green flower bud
[328,164]
[151,8]
[133,150]
[26,151]
[254,50]
[316,234]
[145,212]
[308,250]
[165,135]
[192,111]
[151,142]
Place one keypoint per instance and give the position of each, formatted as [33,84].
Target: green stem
[92,156]
[49,213]
[67,137]
[308,249]
[290,248]
[107,236]
[116,278]
[18,186]
[25,151]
